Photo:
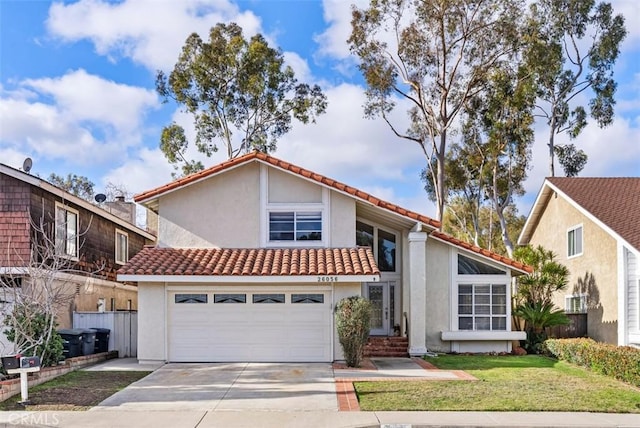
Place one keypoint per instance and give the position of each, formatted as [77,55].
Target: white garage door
[255,326]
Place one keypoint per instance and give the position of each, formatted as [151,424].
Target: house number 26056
[327,279]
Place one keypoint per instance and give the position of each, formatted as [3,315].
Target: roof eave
[535,213]
[253,279]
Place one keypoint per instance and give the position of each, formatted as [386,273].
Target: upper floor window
[469,266]
[385,245]
[122,247]
[574,241]
[66,231]
[295,226]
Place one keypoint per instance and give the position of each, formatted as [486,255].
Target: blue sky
[77,94]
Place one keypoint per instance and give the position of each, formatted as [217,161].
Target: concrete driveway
[230,386]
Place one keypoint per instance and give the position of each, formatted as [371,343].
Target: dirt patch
[79,390]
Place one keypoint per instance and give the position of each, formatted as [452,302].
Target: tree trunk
[551,145]
[440,176]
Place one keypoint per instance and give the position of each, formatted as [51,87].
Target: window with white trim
[574,241]
[295,226]
[122,247]
[482,307]
[66,238]
[575,304]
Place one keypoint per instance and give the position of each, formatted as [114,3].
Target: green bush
[29,328]
[620,362]
[353,318]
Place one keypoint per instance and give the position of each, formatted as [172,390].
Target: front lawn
[78,390]
[505,383]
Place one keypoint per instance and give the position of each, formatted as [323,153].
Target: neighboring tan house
[253,254]
[94,241]
[593,226]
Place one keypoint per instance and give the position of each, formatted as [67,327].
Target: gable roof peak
[611,201]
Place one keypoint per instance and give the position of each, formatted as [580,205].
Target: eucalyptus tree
[572,46]
[239,92]
[77,185]
[489,164]
[433,56]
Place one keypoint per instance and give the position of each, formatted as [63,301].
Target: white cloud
[13,157]
[78,117]
[333,41]
[299,65]
[344,144]
[88,97]
[144,170]
[149,32]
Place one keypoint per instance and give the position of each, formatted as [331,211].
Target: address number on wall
[327,279]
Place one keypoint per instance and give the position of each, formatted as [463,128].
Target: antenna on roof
[27,164]
[100,198]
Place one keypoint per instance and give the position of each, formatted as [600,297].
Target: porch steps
[382,346]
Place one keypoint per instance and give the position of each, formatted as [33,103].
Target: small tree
[533,299]
[353,318]
[40,288]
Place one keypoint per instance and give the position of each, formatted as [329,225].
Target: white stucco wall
[342,220]
[287,188]
[151,321]
[221,211]
[438,296]
[340,291]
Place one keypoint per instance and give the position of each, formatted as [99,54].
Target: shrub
[620,362]
[34,334]
[353,318]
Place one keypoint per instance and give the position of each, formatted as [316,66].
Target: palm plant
[538,317]
[533,299]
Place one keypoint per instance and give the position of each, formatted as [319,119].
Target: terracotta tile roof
[615,201]
[482,251]
[326,181]
[252,262]
[292,168]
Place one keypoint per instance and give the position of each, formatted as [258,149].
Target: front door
[380,294]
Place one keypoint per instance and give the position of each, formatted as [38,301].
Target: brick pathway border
[346,393]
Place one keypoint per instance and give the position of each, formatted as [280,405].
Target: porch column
[417,293]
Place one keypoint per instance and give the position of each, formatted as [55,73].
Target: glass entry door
[379,294]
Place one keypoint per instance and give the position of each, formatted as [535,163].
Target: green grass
[505,383]
[77,390]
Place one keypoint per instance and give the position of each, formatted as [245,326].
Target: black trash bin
[102,339]
[88,341]
[71,342]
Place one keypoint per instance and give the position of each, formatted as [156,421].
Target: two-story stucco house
[593,227]
[254,253]
[39,220]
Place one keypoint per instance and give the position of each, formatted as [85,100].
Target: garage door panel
[267,332]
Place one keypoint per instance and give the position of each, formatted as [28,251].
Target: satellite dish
[27,164]
[100,198]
